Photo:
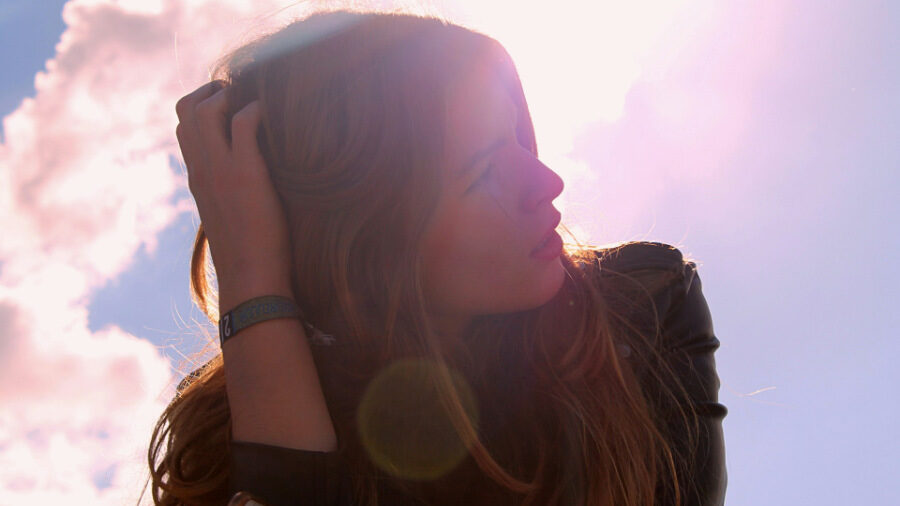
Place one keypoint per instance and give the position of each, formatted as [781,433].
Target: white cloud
[682,122]
[85,182]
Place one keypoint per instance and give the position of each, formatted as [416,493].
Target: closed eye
[484,175]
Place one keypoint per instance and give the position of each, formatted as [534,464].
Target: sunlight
[577,61]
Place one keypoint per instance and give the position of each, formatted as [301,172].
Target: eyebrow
[469,165]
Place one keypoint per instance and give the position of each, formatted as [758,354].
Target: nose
[545,185]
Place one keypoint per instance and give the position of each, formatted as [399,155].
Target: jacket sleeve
[687,343]
[277,476]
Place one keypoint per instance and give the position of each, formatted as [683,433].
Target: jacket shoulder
[653,265]
[639,255]
[685,339]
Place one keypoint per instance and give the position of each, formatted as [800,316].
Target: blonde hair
[352,133]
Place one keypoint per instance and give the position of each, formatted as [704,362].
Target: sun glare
[576,60]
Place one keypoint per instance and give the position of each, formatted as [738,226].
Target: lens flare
[404,426]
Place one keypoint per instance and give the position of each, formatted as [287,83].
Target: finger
[192,153]
[183,134]
[201,152]
[186,104]
[209,124]
[244,144]
[186,131]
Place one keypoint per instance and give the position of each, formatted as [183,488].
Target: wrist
[235,290]
[254,311]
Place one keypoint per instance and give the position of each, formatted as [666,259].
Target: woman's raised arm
[271,380]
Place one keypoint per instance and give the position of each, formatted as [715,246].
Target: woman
[380,172]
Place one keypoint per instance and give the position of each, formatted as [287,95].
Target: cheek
[467,257]
[453,249]
[471,237]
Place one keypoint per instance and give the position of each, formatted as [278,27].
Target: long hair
[352,131]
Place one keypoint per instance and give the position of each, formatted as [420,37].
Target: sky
[758,137]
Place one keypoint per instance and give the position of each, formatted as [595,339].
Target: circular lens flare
[404,426]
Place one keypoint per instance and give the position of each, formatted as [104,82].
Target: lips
[548,232]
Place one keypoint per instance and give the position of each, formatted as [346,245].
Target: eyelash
[483,176]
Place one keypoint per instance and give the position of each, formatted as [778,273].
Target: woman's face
[495,208]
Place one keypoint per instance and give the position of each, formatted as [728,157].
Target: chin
[555,278]
[550,282]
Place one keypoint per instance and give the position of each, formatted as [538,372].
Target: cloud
[684,122]
[85,182]
[74,408]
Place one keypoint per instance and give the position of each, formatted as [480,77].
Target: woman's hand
[273,388]
[240,212]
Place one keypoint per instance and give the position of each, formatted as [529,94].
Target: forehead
[479,110]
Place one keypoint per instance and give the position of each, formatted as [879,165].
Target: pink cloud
[685,119]
[85,182]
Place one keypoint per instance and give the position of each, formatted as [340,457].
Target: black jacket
[281,476]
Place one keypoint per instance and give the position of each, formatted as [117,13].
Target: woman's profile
[400,322]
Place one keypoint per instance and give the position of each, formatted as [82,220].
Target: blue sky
[30,32]
[762,141]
